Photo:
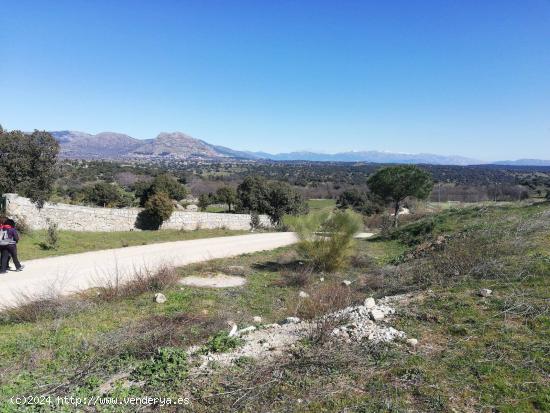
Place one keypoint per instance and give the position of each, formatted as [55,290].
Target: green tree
[326,238]
[28,164]
[395,183]
[204,201]
[272,198]
[107,195]
[363,202]
[164,183]
[253,195]
[284,200]
[158,209]
[227,195]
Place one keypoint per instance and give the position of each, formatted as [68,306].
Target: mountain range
[179,146]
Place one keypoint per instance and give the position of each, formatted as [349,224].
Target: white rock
[233,330]
[370,303]
[322,279]
[246,330]
[303,294]
[257,319]
[347,283]
[485,292]
[412,342]
[160,298]
[291,320]
[376,314]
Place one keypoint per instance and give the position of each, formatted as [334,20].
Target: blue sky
[449,77]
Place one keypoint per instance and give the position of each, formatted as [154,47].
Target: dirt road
[71,273]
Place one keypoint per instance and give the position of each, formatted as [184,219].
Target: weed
[220,343]
[168,367]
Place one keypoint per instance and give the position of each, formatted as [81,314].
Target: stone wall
[81,218]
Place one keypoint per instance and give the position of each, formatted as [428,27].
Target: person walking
[9,237]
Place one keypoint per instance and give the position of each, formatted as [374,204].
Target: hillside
[180,146]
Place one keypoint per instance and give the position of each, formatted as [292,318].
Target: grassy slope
[319,204]
[474,355]
[72,242]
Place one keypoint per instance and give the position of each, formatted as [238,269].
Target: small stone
[370,303]
[160,298]
[257,319]
[485,292]
[246,330]
[347,283]
[322,279]
[291,320]
[376,314]
[303,294]
[412,342]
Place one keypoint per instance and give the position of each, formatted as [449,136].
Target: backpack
[4,238]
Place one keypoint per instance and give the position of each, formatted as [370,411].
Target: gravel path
[71,273]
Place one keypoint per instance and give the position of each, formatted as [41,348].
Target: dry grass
[52,305]
[112,288]
[29,309]
[325,298]
[298,278]
[142,339]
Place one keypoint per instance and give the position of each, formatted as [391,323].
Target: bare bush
[29,309]
[143,281]
[295,278]
[325,298]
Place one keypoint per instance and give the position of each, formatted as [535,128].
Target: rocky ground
[370,321]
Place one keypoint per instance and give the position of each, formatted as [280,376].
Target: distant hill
[524,162]
[178,145]
[371,156]
[105,145]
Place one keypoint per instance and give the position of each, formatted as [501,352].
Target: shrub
[220,343]
[143,281]
[168,367]
[255,223]
[414,233]
[163,183]
[51,241]
[21,224]
[362,202]
[326,238]
[158,209]
[107,195]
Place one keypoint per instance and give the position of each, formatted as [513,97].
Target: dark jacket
[13,235]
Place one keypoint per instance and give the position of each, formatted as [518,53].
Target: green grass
[215,208]
[72,242]
[319,204]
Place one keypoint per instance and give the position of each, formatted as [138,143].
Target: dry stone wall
[82,218]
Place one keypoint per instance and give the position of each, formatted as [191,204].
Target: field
[32,244]
[319,204]
[474,353]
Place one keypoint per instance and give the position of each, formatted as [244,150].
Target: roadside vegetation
[474,352]
[38,244]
